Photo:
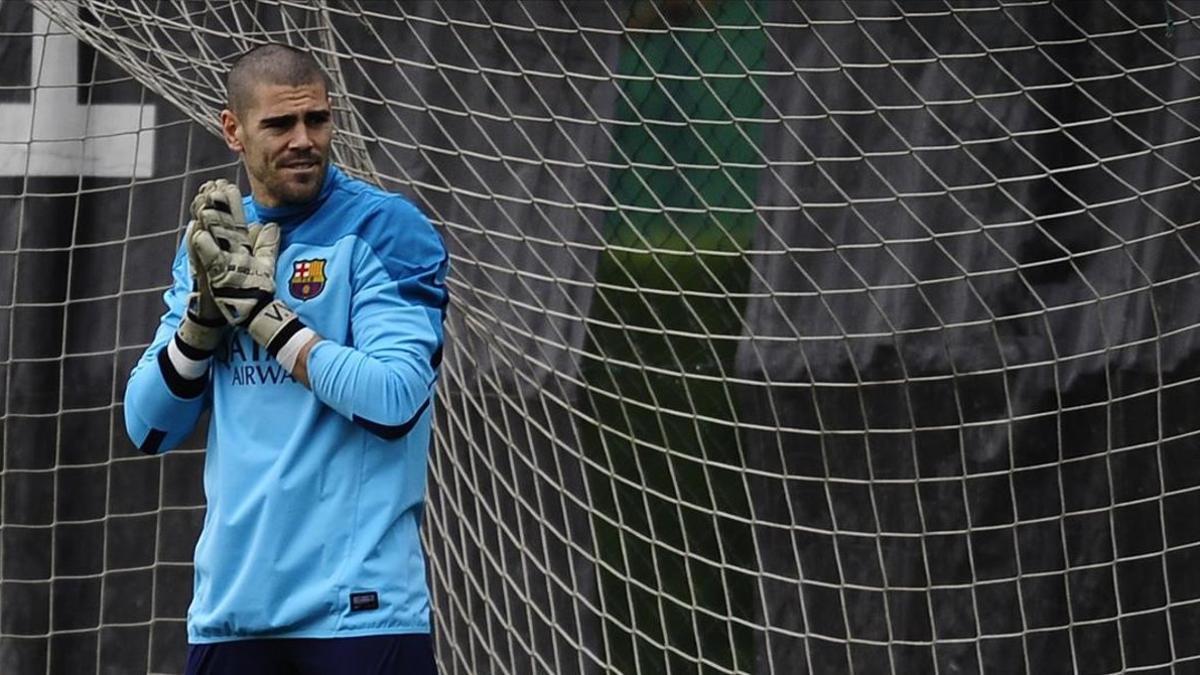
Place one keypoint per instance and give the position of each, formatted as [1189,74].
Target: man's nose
[301,139]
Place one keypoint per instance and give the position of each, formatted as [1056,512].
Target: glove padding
[217,208]
[243,286]
[277,328]
[242,279]
[203,325]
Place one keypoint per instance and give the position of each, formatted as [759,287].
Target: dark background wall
[787,337]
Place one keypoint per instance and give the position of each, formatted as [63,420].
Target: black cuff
[193,353]
[153,441]
[287,332]
[178,384]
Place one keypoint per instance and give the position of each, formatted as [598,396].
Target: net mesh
[786,337]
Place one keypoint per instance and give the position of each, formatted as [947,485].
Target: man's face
[284,137]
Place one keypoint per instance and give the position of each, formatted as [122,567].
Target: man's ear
[231,129]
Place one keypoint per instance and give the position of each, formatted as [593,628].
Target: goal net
[786,337]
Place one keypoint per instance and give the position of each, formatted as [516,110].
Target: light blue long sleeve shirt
[314,497]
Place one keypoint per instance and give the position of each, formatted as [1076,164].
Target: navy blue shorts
[369,655]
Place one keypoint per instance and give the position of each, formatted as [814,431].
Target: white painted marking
[54,135]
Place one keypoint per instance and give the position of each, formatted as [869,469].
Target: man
[316,340]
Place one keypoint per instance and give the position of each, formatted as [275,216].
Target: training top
[314,497]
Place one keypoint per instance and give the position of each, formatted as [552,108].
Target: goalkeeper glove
[216,208]
[243,287]
[203,326]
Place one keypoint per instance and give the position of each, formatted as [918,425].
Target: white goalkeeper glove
[242,281]
[217,207]
[202,326]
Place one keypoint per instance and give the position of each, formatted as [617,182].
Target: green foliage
[664,325]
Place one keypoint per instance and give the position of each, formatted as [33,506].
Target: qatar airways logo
[247,364]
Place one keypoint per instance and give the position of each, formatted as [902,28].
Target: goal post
[785,337]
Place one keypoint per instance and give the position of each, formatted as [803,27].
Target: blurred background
[786,337]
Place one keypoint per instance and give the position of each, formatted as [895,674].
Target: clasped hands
[233,264]
[233,271]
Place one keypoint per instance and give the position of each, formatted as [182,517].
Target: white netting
[786,337]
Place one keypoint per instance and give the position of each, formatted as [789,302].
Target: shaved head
[280,121]
[269,64]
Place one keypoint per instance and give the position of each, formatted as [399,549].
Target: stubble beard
[289,192]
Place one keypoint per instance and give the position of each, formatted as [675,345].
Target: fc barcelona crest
[308,278]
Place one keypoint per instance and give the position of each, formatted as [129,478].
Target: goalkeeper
[308,316]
